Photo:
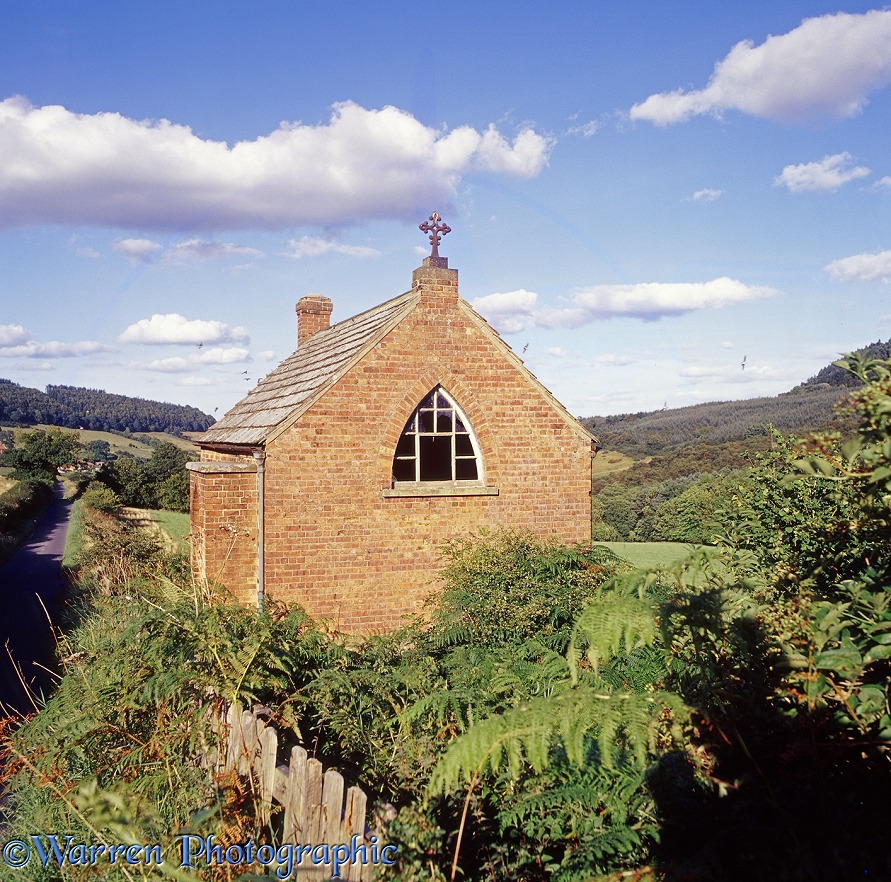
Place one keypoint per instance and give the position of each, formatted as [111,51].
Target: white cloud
[524,158]
[176,364]
[266,355]
[216,356]
[826,66]
[223,355]
[650,300]
[54,349]
[727,344]
[189,251]
[516,311]
[706,195]
[874,267]
[883,183]
[197,250]
[175,328]
[511,311]
[195,380]
[827,175]
[557,351]
[138,250]
[16,341]
[104,169]
[10,335]
[312,246]
[586,130]
[92,253]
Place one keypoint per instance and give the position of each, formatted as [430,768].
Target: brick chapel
[336,480]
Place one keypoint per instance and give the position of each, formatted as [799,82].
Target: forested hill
[75,407]
[808,407]
[645,434]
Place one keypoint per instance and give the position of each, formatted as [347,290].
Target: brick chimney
[313,315]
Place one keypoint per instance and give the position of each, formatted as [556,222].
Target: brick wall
[224,521]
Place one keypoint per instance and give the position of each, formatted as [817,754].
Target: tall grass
[649,555]
[74,543]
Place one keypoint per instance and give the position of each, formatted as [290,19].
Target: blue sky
[641,194]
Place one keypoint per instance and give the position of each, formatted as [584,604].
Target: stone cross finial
[436,230]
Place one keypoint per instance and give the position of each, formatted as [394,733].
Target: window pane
[425,421]
[459,426]
[406,446]
[465,470]
[444,421]
[429,401]
[403,470]
[436,458]
[463,445]
[442,401]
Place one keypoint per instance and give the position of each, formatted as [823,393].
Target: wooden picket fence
[315,812]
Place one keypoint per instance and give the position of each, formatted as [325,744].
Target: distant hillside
[808,407]
[75,407]
[646,434]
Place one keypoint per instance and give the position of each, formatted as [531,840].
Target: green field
[645,555]
[172,525]
[182,443]
[120,444]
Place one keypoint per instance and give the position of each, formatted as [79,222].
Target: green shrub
[505,587]
[20,506]
[100,497]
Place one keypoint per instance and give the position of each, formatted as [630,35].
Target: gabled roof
[282,395]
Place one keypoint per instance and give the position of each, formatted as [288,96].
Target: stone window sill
[438,488]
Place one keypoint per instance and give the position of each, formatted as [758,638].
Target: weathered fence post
[316,810]
[295,798]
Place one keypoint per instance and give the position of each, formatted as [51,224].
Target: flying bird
[743,365]
[200,345]
[525,348]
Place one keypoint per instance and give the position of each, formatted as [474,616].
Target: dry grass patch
[608,462]
[166,524]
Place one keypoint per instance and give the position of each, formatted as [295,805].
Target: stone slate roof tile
[289,389]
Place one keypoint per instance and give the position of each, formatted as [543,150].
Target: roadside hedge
[18,505]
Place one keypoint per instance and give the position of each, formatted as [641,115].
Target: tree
[98,450]
[161,482]
[38,454]
[127,479]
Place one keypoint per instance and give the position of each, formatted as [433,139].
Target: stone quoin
[380,438]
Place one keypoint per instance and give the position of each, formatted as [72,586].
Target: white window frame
[451,433]
[456,486]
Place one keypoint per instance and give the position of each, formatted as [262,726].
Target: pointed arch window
[437,444]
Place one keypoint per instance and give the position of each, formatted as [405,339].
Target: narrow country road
[29,582]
